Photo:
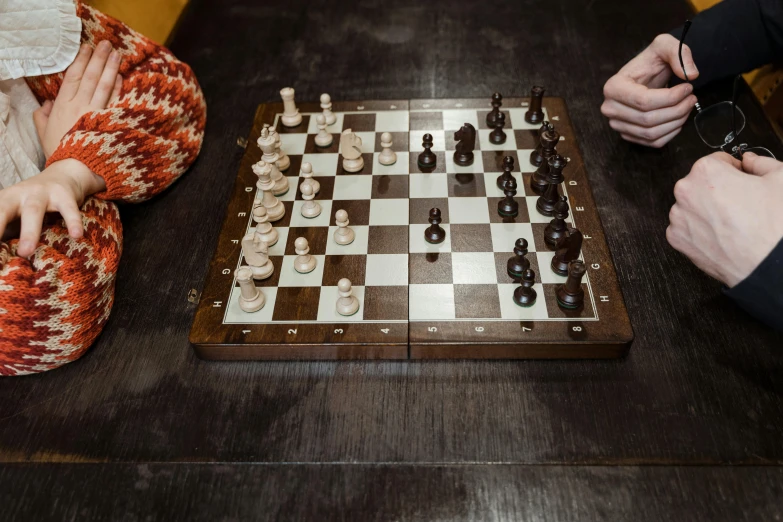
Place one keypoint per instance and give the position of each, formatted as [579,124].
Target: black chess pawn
[570,294]
[518,263]
[497,101]
[549,139]
[427,159]
[534,113]
[508,167]
[535,157]
[568,249]
[435,233]
[557,228]
[525,295]
[508,205]
[497,136]
[545,205]
[466,141]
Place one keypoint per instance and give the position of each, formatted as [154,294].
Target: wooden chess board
[418,300]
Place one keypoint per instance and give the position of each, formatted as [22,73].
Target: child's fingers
[41,119]
[74,73]
[32,221]
[93,72]
[107,83]
[73,218]
[115,95]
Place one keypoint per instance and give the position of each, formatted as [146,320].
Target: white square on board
[391,121]
[352,186]
[431,302]
[510,144]
[473,268]
[293,143]
[358,247]
[476,168]
[324,163]
[491,184]
[335,128]
[416,139]
[524,160]
[290,277]
[278,249]
[505,235]
[400,167]
[235,315]
[293,184]
[454,119]
[417,243]
[388,212]
[510,310]
[322,220]
[428,186]
[386,270]
[327,306]
[518,118]
[468,210]
[535,216]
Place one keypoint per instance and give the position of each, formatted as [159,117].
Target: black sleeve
[735,36]
[761,293]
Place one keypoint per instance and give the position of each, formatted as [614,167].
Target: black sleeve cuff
[761,293]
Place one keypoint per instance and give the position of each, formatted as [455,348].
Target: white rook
[251,299]
[291,116]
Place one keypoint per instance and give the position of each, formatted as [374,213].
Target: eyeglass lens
[715,123]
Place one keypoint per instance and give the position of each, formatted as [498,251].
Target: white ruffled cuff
[60,59]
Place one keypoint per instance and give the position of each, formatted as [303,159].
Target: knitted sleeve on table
[54,305]
[144,141]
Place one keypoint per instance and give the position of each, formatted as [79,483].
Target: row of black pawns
[545,182]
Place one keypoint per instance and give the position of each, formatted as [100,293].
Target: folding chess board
[417,300]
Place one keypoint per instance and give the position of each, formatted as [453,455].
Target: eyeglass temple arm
[682,41]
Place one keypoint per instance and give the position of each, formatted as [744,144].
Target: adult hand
[728,217]
[91,83]
[637,102]
[61,187]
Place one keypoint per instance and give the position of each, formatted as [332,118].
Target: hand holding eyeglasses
[728,217]
[637,102]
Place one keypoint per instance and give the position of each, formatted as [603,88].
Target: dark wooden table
[689,426]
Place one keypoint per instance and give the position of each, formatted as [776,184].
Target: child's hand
[91,83]
[61,187]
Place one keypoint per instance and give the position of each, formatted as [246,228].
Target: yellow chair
[155,19]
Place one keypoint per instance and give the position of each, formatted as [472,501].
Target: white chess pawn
[291,116]
[326,105]
[387,155]
[323,139]
[307,174]
[284,162]
[310,208]
[304,262]
[343,235]
[267,144]
[274,207]
[256,254]
[251,299]
[264,229]
[347,303]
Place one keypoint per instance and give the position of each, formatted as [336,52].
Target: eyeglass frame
[736,150]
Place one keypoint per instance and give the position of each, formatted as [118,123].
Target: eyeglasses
[719,125]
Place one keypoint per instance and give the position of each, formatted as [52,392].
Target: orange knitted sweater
[54,305]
